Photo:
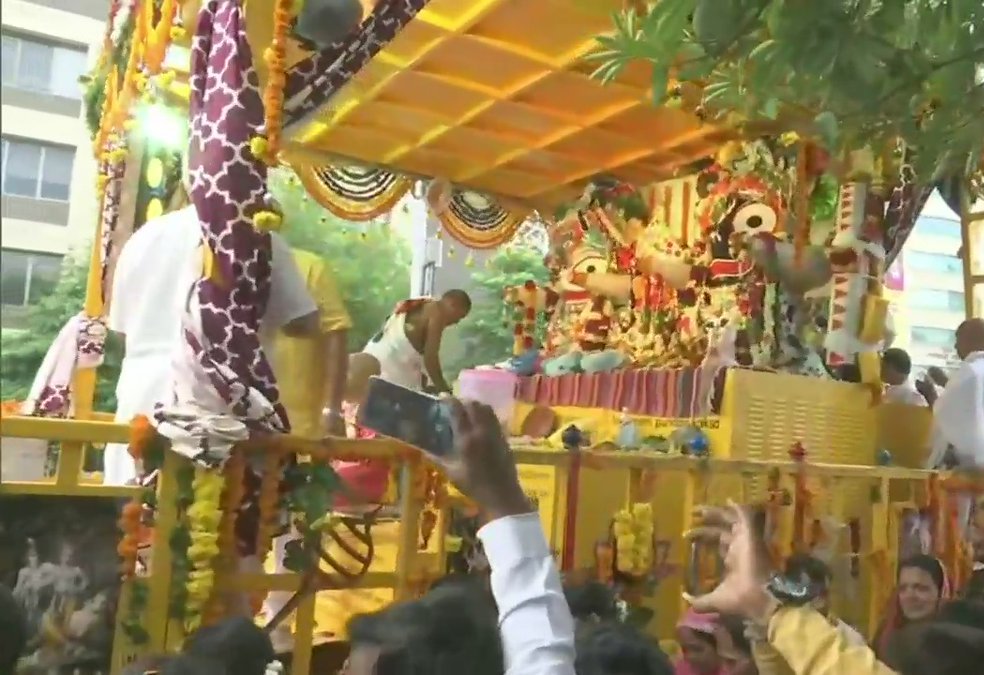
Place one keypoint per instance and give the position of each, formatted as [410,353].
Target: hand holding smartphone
[413,417]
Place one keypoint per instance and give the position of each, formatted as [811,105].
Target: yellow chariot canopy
[495,96]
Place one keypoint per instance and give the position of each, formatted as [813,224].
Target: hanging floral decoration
[130,522]
[633,528]
[203,517]
[475,220]
[267,146]
[269,503]
[353,192]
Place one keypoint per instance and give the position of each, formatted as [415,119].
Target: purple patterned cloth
[228,186]
[79,344]
[314,80]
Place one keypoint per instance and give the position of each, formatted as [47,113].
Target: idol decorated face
[747,217]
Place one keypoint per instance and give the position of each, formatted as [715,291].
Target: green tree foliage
[488,329]
[371,262]
[22,351]
[848,72]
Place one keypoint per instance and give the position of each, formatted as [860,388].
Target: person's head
[970,337]
[921,583]
[734,647]
[695,633]
[612,648]
[809,570]
[237,643]
[13,631]
[950,644]
[591,602]
[453,629]
[455,305]
[895,366]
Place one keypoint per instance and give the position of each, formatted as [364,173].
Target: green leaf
[660,82]
[828,128]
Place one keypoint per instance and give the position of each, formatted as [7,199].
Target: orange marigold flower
[141,434]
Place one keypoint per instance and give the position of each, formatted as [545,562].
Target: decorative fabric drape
[353,192]
[314,80]
[224,369]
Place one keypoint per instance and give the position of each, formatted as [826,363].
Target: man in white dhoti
[958,413]
[409,344]
[154,275]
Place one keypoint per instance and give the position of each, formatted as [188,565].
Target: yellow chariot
[493,107]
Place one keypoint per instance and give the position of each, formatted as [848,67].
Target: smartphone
[413,417]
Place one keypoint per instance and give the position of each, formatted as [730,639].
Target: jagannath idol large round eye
[755,218]
[591,265]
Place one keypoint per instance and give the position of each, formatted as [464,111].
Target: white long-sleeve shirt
[534,620]
[958,416]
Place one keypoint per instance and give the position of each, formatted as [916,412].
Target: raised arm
[535,622]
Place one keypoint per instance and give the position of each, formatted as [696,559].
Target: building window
[926,336]
[37,170]
[942,301]
[938,227]
[45,67]
[938,263]
[27,277]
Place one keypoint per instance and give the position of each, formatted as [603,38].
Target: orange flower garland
[269,501]
[142,433]
[275,57]
[129,524]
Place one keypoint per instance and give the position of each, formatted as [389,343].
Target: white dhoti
[399,361]
[144,380]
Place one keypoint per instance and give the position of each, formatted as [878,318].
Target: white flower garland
[120,19]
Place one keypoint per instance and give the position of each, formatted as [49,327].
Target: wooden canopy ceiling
[495,96]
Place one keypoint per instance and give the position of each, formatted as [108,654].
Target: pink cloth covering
[368,479]
[700,623]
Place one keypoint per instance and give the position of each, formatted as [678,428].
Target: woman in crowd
[922,587]
[696,635]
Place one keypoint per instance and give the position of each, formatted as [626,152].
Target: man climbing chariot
[405,350]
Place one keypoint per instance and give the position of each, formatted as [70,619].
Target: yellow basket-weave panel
[833,420]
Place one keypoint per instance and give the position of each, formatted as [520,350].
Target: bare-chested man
[407,348]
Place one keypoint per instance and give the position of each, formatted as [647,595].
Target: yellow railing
[873,498]
[414,567]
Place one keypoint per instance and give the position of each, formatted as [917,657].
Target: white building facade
[48,171]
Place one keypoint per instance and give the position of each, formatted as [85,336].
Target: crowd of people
[522,621]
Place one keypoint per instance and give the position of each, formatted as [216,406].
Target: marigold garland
[204,516]
[129,524]
[634,548]
[269,502]
[142,433]
[275,57]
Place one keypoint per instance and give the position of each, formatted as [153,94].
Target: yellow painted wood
[52,489]
[410,507]
[159,583]
[303,635]
[973,256]
[63,430]
[70,457]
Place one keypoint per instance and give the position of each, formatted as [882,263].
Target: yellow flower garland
[204,516]
[633,529]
